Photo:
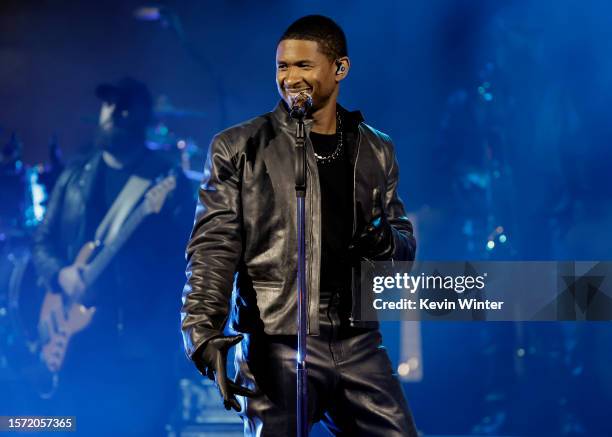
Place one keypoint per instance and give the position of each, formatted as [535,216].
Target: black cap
[126,92]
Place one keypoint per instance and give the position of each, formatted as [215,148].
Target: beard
[117,140]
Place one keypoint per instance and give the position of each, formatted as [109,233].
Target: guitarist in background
[115,373]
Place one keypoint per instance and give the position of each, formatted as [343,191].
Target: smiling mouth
[296,92]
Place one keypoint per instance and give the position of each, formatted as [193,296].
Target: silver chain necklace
[326,159]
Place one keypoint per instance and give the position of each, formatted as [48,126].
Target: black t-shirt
[114,181]
[108,184]
[336,184]
[149,265]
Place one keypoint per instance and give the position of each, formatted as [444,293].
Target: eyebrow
[300,61]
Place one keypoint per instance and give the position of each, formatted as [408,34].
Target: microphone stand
[302,290]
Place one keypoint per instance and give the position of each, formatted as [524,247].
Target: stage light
[403,369]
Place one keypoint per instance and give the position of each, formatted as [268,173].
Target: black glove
[373,240]
[212,362]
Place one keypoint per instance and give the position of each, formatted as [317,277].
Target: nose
[292,77]
[106,114]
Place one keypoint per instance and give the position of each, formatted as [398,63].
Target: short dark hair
[321,29]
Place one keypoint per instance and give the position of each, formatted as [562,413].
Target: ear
[343,66]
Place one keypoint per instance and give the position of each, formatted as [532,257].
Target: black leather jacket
[244,234]
[70,219]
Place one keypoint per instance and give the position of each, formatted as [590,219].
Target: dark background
[499,112]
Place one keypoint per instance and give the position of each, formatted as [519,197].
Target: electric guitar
[61,316]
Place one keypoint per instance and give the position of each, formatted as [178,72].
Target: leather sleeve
[214,249]
[47,257]
[403,238]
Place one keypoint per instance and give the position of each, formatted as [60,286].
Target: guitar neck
[101,261]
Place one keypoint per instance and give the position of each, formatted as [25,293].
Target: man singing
[244,240]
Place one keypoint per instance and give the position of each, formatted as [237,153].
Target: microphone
[300,105]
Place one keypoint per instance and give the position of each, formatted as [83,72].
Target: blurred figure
[115,375]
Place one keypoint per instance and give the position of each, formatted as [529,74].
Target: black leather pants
[351,386]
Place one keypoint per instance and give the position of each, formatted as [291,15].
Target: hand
[212,363]
[71,281]
[373,240]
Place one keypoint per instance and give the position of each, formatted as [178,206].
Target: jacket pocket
[267,284]
[267,292]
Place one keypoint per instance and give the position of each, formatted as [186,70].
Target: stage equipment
[300,106]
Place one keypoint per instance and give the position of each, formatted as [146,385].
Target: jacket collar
[280,113]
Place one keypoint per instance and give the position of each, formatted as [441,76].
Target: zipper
[355,180]
[309,190]
[353,285]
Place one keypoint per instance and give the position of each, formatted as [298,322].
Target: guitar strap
[121,208]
